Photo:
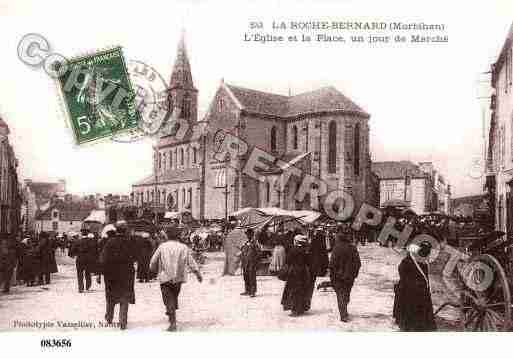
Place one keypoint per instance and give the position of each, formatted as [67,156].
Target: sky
[423,99]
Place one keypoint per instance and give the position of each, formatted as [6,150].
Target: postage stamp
[98,96]
[151,99]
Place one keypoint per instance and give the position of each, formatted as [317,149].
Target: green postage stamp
[98,97]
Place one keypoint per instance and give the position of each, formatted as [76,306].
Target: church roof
[177,176]
[397,169]
[325,99]
[181,75]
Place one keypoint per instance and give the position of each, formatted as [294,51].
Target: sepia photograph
[241,167]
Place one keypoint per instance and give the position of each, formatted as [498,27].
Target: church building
[322,133]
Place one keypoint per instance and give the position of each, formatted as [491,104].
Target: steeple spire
[181,76]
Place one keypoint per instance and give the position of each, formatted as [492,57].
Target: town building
[419,187]
[322,133]
[38,197]
[10,196]
[64,216]
[499,154]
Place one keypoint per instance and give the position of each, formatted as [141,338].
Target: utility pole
[226,192]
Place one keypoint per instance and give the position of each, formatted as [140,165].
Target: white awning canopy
[96,215]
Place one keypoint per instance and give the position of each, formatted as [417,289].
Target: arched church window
[356,161]
[294,137]
[181,157]
[332,147]
[273,139]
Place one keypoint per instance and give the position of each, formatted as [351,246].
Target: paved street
[214,304]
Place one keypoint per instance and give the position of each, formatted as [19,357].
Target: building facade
[499,156]
[419,186]
[64,216]
[38,197]
[10,196]
[321,133]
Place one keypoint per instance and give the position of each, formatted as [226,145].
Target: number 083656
[55,343]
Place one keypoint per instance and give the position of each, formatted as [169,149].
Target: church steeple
[181,77]
[183,96]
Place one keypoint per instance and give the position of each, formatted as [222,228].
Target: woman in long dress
[413,308]
[295,293]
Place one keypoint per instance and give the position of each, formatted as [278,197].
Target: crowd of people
[298,258]
[29,261]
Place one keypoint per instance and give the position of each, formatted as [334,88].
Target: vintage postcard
[171,169]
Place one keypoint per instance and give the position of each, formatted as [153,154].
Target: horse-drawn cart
[484,281]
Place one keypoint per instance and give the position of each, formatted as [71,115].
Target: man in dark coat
[344,267]
[250,257]
[85,250]
[46,251]
[413,308]
[117,260]
[318,261]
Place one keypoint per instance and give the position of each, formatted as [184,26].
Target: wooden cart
[485,296]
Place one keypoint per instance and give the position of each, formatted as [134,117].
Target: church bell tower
[182,93]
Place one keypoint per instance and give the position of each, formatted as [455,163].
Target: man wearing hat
[250,256]
[169,262]
[85,249]
[117,260]
[344,267]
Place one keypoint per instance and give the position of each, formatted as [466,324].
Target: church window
[160,161]
[294,137]
[332,147]
[273,139]
[183,195]
[194,154]
[267,192]
[221,104]
[170,159]
[164,163]
[356,162]
[181,157]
